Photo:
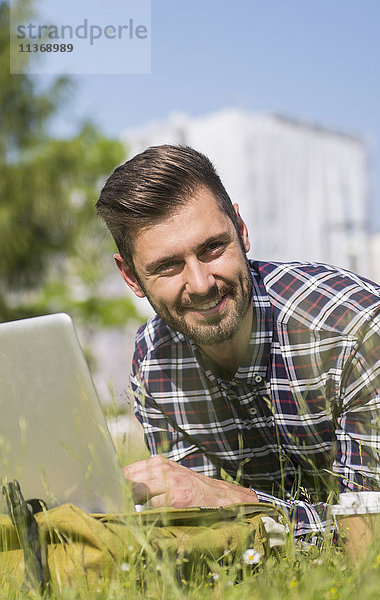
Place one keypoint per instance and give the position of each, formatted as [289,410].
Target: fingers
[141,469]
[140,493]
[148,478]
[159,501]
[163,482]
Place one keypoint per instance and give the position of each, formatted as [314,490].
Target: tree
[49,235]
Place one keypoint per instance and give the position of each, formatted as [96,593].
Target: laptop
[54,438]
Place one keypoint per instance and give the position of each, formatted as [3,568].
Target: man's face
[193,271]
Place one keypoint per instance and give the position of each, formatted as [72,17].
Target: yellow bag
[75,546]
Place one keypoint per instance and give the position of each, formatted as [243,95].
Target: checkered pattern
[301,414]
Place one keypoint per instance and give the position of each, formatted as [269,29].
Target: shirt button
[258,379]
[252,411]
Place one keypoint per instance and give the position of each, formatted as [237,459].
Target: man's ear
[243,229]
[128,276]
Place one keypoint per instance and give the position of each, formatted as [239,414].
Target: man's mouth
[210,307]
[206,305]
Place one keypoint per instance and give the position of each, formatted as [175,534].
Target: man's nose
[198,279]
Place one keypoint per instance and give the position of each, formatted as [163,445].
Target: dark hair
[152,186]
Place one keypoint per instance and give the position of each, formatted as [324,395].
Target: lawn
[299,572]
[138,571]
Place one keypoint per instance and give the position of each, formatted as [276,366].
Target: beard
[219,327]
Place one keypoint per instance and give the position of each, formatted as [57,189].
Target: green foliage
[323,573]
[51,244]
[24,111]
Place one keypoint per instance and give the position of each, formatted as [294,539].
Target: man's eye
[166,267]
[214,246]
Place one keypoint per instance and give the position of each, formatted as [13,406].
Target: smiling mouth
[209,307]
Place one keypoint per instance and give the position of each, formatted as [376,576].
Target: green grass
[297,573]
[314,574]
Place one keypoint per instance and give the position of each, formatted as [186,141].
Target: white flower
[251,557]
[125,567]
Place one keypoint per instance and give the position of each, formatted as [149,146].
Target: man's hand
[166,483]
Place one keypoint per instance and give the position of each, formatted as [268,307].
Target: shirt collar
[256,360]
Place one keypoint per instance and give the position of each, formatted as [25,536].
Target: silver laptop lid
[53,436]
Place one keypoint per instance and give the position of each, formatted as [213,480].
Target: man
[264,372]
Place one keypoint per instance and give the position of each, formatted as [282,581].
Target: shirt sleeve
[357,431]
[305,518]
[357,428]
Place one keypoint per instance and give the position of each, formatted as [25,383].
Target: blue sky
[313,59]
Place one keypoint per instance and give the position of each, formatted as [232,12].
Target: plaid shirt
[301,414]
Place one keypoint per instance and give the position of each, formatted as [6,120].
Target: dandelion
[251,557]
[293,583]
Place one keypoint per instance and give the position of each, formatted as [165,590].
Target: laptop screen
[54,438]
